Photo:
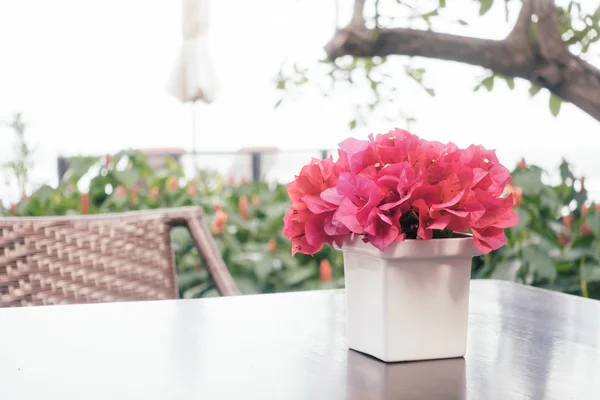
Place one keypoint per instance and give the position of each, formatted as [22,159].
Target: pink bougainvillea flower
[488,239]
[295,229]
[397,181]
[314,178]
[427,224]
[354,151]
[499,212]
[383,229]
[396,185]
[361,195]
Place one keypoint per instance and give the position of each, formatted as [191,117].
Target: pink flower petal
[489,239]
[317,205]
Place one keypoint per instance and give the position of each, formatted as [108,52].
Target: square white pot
[411,301]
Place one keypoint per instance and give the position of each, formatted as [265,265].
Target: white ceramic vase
[411,301]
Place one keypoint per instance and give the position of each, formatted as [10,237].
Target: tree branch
[551,46]
[358,16]
[544,59]
[492,54]
[521,28]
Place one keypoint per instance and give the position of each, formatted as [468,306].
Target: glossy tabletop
[523,343]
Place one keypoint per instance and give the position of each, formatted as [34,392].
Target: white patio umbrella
[193,78]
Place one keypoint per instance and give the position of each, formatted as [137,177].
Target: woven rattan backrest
[105,258]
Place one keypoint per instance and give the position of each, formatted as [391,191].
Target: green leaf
[591,272]
[352,124]
[593,221]
[572,255]
[297,276]
[195,291]
[550,198]
[565,171]
[530,181]
[485,6]
[211,292]
[263,269]
[510,82]
[430,91]
[540,263]
[488,83]
[128,177]
[555,103]
[534,89]
[246,285]
[278,103]
[463,22]
[43,193]
[524,218]
[507,271]
[187,280]
[442,3]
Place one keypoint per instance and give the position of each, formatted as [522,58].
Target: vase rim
[463,247]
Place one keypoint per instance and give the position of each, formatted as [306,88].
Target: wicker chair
[100,258]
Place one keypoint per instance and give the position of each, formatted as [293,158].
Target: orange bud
[255,200]
[584,229]
[325,271]
[172,183]
[243,206]
[134,194]
[120,191]
[568,221]
[517,193]
[217,207]
[154,193]
[219,221]
[107,161]
[13,208]
[584,210]
[191,189]
[563,239]
[272,246]
[198,267]
[85,203]
[522,164]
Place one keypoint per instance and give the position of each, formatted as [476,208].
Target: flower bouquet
[381,202]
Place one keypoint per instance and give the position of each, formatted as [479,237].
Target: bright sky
[90,77]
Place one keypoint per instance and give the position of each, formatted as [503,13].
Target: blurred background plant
[557,242]
[555,246]
[246,219]
[19,167]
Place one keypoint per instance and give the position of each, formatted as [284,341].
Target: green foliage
[579,28]
[22,163]
[557,242]
[555,103]
[251,243]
